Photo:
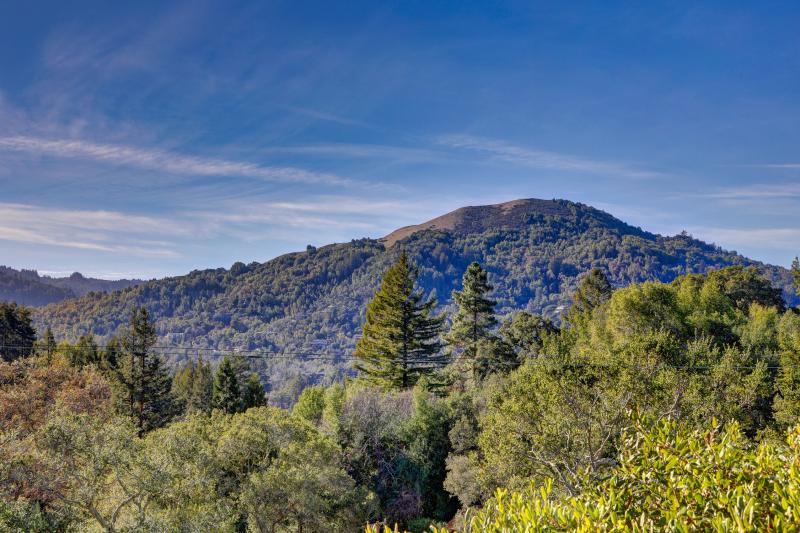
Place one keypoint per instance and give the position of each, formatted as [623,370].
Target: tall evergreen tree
[193,386]
[253,394]
[17,334]
[143,379]
[796,275]
[400,338]
[472,334]
[48,345]
[227,394]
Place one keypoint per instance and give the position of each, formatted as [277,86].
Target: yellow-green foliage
[667,479]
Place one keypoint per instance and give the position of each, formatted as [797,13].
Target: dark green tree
[253,394]
[144,383]
[593,291]
[525,333]
[84,352]
[474,320]
[193,386]
[796,275]
[400,338]
[472,335]
[227,394]
[17,335]
[48,345]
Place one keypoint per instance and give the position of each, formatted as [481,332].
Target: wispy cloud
[780,165]
[329,117]
[756,191]
[760,238]
[365,151]
[164,161]
[511,153]
[99,231]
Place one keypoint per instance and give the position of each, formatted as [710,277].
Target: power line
[262,354]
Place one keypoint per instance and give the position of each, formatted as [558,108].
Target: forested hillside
[654,407]
[27,287]
[312,302]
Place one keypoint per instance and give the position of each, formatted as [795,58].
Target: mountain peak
[514,214]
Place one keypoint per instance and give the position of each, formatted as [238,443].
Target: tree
[525,333]
[17,335]
[796,275]
[86,467]
[400,335]
[474,321]
[193,386]
[48,345]
[593,291]
[227,394]
[84,352]
[311,404]
[253,395]
[145,384]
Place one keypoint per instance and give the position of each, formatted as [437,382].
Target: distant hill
[312,302]
[27,287]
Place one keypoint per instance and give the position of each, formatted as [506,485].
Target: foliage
[17,335]
[227,394]
[474,320]
[253,393]
[143,383]
[400,335]
[27,287]
[313,301]
[193,386]
[668,479]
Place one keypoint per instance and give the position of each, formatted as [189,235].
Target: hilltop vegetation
[27,287]
[314,301]
[583,425]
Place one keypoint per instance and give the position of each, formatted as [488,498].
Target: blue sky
[156,138]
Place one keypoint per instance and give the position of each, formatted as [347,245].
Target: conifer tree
[475,318]
[48,345]
[399,340]
[227,394]
[143,381]
[17,335]
[796,275]
[253,394]
[193,386]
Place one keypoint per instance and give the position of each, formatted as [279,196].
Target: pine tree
[17,335]
[472,332]
[796,275]
[399,340]
[143,380]
[227,395]
[49,345]
[253,395]
[193,386]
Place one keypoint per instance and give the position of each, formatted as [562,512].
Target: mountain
[312,302]
[27,287]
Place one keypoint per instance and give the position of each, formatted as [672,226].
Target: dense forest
[652,406]
[27,287]
[312,302]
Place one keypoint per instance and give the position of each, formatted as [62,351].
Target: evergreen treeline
[315,301]
[27,287]
[594,412]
